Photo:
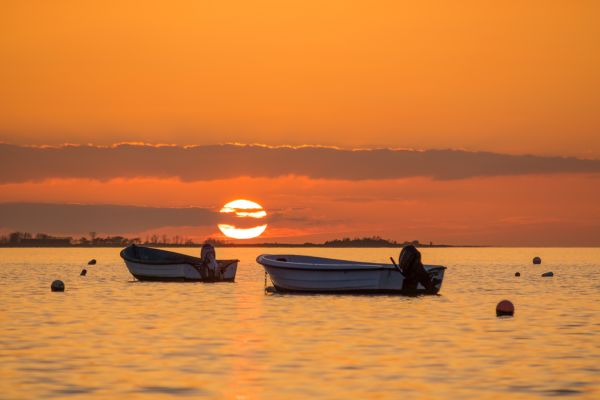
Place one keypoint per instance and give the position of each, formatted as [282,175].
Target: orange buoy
[505,307]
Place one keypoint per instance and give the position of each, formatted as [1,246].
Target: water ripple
[124,338]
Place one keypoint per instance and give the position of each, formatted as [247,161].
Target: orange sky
[517,77]
[527,210]
[509,78]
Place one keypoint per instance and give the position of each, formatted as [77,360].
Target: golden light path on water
[243,209]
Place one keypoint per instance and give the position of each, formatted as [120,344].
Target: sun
[243,209]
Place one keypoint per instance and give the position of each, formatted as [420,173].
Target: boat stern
[436,274]
[229,269]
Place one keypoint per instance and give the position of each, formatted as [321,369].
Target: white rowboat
[150,264]
[297,273]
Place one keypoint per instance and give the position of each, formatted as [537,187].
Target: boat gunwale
[345,265]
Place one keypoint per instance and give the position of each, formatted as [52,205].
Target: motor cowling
[208,256]
[208,253]
[413,270]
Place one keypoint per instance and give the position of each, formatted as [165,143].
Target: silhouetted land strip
[20,239]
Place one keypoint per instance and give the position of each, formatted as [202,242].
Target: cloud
[76,218]
[203,163]
[108,218]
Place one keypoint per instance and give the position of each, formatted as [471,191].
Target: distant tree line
[43,239]
[373,241]
[25,239]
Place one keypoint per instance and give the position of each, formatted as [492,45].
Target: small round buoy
[92,261]
[57,286]
[517,274]
[83,272]
[505,307]
[537,260]
[547,274]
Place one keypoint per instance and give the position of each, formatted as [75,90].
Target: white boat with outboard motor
[151,264]
[299,273]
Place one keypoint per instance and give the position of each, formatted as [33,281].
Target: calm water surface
[108,336]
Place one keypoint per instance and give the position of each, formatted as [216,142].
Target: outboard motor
[208,256]
[413,271]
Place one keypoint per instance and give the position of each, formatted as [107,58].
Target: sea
[108,336]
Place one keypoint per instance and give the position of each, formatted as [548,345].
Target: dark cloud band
[198,163]
[75,218]
[82,218]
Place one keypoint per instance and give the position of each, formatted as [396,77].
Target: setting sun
[243,209]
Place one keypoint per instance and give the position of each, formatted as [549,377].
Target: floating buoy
[57,286]
[505,307]
[517,274]
[547,274]
[92,261]
[537,260]
[83,272]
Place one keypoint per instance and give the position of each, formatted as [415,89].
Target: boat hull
[176,272]
[321,275]
[150,264]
